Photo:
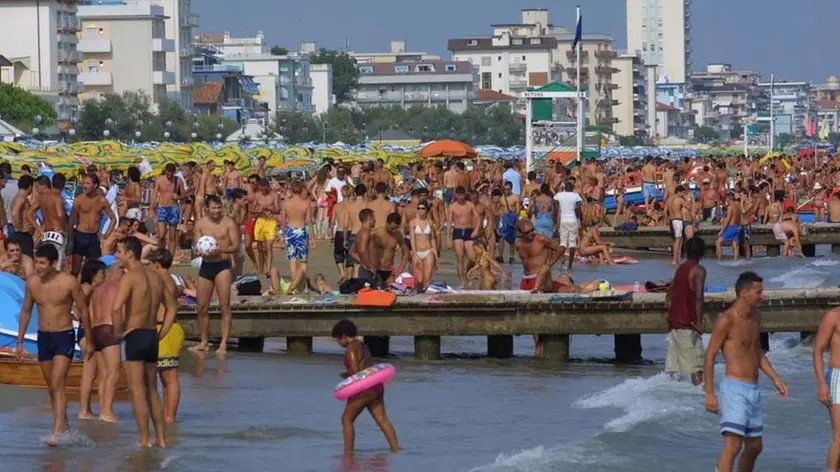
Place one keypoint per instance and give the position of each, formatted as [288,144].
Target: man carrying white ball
[217,242]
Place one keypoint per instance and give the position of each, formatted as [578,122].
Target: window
[424,68]
[536,41]
[472,42]
[366,70]
[516,41]
[523,58]
[92,66]
[500,75]
[486,61]
[499,59]
[401,69]
[451,67]
[486,80]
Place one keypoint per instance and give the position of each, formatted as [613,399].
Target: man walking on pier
[736,333]
[828,381]
[685,315]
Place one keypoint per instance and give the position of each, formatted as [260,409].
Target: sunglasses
[422,208]
[527,233]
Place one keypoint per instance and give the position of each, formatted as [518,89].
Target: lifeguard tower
[553,125]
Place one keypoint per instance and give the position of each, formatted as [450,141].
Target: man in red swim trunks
[538,254]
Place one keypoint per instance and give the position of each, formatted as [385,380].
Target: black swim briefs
[141,345]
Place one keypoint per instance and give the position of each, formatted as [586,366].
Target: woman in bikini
[318,187]
[591,245]
[424,247]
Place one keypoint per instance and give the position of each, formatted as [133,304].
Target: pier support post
[427,348]
[500,346]
[251,344]
[628,347]
[774,250]
[299,345]
[555,347]
[809,250]
[835,248]
[379,345]
[765,341]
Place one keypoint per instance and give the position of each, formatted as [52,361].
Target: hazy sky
[796,40]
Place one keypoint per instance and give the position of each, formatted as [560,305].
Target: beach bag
[351,286]
[377,298]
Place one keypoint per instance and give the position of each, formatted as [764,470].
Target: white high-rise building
[179,24]
[39,39]
[661,30]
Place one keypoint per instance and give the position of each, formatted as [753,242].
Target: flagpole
[772,112]
[579,97]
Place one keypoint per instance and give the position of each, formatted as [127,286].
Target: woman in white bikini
[424,247]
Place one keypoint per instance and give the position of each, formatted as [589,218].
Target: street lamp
[219,128]
[324,131]
[108,123]
[305,133]
[138,133]
[194,134]
[167,134]
[36,129]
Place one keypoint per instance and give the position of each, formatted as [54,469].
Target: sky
[781,36]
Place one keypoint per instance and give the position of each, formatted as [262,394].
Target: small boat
[27,373]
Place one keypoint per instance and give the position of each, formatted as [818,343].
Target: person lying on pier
[486,271]
[566,284]
[538,254]
[591,245]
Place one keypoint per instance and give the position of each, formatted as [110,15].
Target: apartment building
[734,95]
[829,91]
[179,24]
[793,100]
[533,53]
[661,30]
[631,96]
[322,82]
[124,47]
[38,37]
[427,83]
[396,53]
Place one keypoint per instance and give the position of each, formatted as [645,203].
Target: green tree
[783,140]
[128,112]
[737,130]
[834,138]
[279,50]
[19,107]
[628,141]
[296,127]
[705,134]
[345,73]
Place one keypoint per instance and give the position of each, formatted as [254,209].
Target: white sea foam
[72,437]
[824,263]
[801,277]
[563,457]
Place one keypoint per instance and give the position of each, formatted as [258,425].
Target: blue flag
[578,32]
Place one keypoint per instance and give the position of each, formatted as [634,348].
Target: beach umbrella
[447,148]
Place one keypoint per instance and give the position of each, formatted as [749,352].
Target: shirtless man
[709,201]
[341,216]
[165,197]
[208,184]
[130,197]
[141,292]
[354,209]
[55,293]
[366,251]
[123,229]
[486,215]
[298,213]
[450,181]
[259,168]
[828,381]
[464,228]
[674,208]
[381,206]
[86,217]
[833,208]
[15,261]
[251,216]
[215,271]
[20,205]
[731,231]
[649,182]
[266,205]
[381,175]
[736,333]
[51,204]
[388,239]
[232,179]
[105,340]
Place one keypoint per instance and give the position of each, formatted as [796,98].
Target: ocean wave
[594,455]
[801,277]
[824,263]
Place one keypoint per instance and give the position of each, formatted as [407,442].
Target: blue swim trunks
[297,244]
[56,343]
[169,215]
[731,233]
[649,190]
[741,410]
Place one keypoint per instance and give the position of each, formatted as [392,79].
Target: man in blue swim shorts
[298,214]
[165,205]
[731,231]
[736,333]
[828,381]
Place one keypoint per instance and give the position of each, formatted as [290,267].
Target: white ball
[205,245]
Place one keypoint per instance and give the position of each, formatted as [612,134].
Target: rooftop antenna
[346,44]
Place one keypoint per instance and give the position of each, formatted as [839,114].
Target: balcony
[163,77]
[69,25]
[302,82]
[557,67]
[187,81]
[606,120]
[186,51]
[96,79]
[68,69]
[69,57]
[605,102]
[583,55]
[517,67]
[94,45]
[518,84]
[572,71]
[602,70]
[163,45]
[69,88]
[218,68]
[189,21]
[605,54]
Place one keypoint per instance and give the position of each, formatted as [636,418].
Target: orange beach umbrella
[447,148]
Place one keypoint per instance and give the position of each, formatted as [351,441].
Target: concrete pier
[555,347]
[427,348]
[500,346]
[299,345]
[380,346]
[809,250]
[628,348]
[251,344]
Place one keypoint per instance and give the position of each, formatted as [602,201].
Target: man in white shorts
[569,204]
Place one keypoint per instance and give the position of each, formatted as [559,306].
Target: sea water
[270,411]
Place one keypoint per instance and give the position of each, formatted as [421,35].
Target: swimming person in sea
[741,410]
[356,358]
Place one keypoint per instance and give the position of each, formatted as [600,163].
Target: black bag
[351,286]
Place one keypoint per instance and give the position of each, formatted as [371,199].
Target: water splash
[70,438]
[593,455]
[801,277]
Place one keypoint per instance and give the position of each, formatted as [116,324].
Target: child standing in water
[357,358]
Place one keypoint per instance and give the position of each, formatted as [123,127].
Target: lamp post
[364,132]
[305,132]
[72,133]
[107,131]
[194,134]
[167,134]
[219,128]
[324,127]
[36,129]
[137,132]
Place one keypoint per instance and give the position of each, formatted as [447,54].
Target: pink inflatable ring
[379,374]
